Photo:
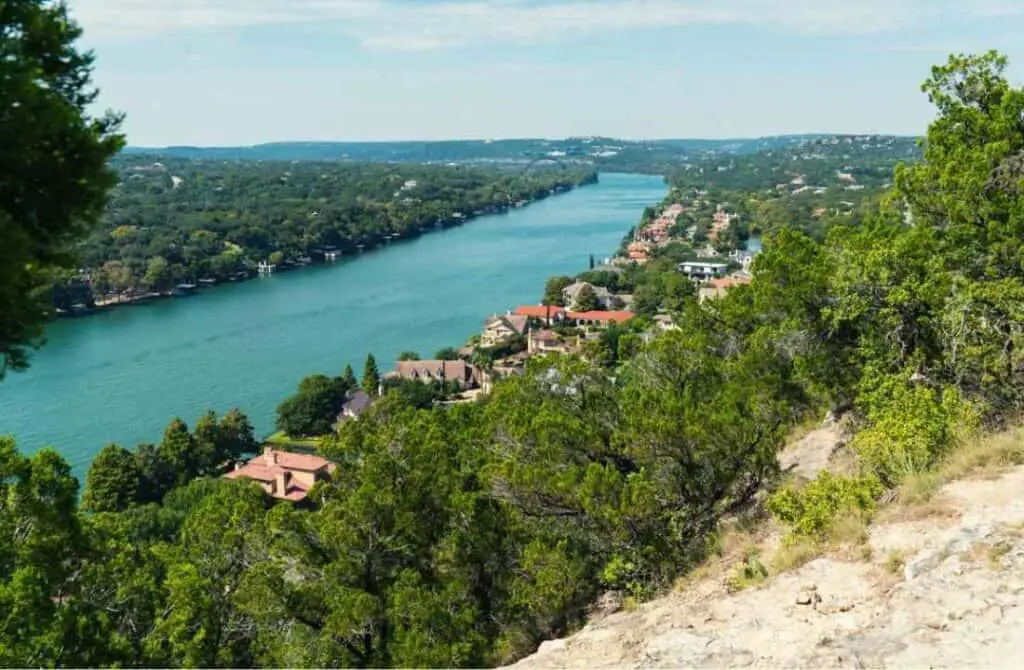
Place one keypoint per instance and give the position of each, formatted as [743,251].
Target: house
[546,314]
[356,402]
[548,342]
[461,373]
[639,252]
[571,294]
[498,330]
[284,475]
[702,271]
[598,317]
[716,288]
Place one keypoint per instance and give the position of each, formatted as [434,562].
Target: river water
[121,375]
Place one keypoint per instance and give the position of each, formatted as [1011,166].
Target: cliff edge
[933,584]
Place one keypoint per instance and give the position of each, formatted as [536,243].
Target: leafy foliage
[53,163]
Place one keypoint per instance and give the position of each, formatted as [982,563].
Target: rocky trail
[941,586]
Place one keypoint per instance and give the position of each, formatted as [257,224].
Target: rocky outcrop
[943,591]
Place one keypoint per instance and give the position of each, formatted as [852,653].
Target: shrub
[912,429]
[811,510]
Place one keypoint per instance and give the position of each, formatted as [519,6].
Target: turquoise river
[121,375]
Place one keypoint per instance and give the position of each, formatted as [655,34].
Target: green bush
[811,510]
[912,429]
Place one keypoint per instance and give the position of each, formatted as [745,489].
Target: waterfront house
[499,330]
[356,402]
[598,317]
[460,373]
[284,475]
[702,271]
[571,294]
[546,314]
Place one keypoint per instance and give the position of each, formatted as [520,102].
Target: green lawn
[281,440]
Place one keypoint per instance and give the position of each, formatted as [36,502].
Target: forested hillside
[179,220]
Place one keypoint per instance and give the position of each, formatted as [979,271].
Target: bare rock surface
[957,602]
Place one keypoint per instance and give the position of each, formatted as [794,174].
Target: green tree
[371,375]
[112,484]
[408,356]
[178,450]
[586,300]
[313,409]
[40,540]
[447,354]
[553,290]
[54,178]
[348,378]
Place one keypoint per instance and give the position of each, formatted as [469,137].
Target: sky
[240,72]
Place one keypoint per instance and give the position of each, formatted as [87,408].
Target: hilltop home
[571,294]
[498,330]
[460,373]
[702,271]
[282,474]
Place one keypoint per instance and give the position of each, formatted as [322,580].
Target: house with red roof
[599,317]
[547,314]
[716,288]
[284,475]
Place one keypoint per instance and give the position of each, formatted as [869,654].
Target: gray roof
[358,402]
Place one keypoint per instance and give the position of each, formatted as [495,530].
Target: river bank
[320,255]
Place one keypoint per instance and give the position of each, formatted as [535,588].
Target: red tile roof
[271,464]
[540,311]
[598,315]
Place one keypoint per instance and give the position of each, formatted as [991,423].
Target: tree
[447,354]
[235,437]
[586,299]
[40,538]
[178,450]
[553,290]
[54,178]
[408,356]
[158,275]
[371,375]
[348,378]
[313,409]
[112,484]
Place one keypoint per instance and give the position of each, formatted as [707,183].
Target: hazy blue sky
[246,71]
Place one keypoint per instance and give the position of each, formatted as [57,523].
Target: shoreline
[202,285]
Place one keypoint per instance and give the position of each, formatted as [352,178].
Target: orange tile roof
[598,315]
[540,311]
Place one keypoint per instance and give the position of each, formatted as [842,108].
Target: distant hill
[655,156]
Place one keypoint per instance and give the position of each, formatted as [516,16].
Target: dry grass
[794,552]
[984,457]
[996,553]
[895,561]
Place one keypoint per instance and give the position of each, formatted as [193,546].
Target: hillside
[604,152]
[931,584]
